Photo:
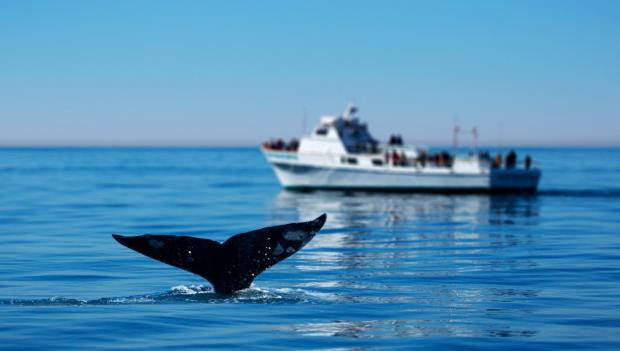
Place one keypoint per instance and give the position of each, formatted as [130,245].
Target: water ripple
[186,294]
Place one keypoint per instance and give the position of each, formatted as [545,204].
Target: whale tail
[233,265]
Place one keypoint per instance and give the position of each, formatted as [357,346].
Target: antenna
[455,134]
[474,135]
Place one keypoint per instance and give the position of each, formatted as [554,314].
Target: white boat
[341,154]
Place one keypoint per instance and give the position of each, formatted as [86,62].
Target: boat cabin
[344,134]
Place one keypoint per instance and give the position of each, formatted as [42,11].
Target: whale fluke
[233,265]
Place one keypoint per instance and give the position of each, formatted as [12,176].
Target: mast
[474,136]
[455,134]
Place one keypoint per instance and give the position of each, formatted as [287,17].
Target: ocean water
[388,271]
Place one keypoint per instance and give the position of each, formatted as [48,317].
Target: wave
[128,186]
[182,294]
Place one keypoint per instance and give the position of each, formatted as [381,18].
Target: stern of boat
[515,180]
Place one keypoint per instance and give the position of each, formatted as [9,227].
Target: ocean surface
[388,271]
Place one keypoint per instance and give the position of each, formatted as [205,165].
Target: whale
[234,264]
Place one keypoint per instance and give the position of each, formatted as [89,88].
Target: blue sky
[237,72]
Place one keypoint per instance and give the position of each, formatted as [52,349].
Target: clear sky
[201,72]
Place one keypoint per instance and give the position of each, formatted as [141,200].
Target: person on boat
[395,158]
[395,140]
[511,159]
[293,145]
[498,161]
[528,162]
[448,159]
[422,158]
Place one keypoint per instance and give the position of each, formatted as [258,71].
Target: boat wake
[598,193]
[184,294]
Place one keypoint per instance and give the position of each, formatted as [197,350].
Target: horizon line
[248,144]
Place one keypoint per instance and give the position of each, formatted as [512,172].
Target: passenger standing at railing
[511,159]
[395,159]
[423,156]
[528,162]
[498,161]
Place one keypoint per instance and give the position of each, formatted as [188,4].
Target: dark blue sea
[388,271]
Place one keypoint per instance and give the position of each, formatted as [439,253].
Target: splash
[181,294]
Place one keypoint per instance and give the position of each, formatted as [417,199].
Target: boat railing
[406,156]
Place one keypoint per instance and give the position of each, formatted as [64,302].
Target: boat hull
[310,177]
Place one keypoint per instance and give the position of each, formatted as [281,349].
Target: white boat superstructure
[342,154]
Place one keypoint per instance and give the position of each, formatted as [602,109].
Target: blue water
[388,271]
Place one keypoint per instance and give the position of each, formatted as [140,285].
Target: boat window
[349,160]
[377,162]
[321,131]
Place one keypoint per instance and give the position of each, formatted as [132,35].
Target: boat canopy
[353,133]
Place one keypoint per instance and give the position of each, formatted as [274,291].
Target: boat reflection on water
[358,210]
[407,226]
[451,265]
[374,329]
